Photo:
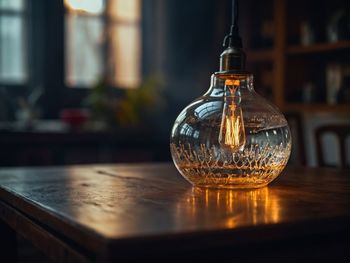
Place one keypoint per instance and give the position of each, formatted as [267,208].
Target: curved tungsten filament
[232,133]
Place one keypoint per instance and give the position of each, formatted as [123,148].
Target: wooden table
[47,148]
[148,211]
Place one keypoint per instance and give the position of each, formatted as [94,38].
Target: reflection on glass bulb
[232,134]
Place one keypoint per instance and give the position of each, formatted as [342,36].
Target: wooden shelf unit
[315,107]
[281,52]
[318,48]
[260,55]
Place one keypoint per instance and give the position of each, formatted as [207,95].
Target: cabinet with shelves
[308,58]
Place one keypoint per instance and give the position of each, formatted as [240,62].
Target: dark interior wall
[184,40]
[54,58]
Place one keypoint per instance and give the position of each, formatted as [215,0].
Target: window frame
[108,22]
[46,59]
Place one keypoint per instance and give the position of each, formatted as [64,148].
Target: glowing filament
[232,134]
[232,129]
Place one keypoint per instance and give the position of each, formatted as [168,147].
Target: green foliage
[130,108]
[140,103]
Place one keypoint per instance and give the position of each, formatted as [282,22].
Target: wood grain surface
[106,212]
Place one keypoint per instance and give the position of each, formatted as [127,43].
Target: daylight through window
[102,40]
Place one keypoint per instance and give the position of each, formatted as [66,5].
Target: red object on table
[74,117]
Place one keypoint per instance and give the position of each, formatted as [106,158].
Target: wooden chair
[341,132]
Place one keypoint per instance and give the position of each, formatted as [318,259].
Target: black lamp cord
[234,40]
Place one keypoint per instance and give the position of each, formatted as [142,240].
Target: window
[102,40]
[13,48]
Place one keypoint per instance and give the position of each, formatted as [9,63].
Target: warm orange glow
[126,47]
[229,208]
[232,132]
[232,82]
[125,43]
[125,11]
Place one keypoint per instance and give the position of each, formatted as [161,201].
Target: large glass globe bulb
[230,137]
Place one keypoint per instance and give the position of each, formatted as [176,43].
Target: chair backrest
[341,131]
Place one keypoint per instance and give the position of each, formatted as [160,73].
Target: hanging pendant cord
[234,40]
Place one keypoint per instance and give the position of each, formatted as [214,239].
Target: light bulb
[232,133]
[230,137]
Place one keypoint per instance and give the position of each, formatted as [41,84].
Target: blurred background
[102,81]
